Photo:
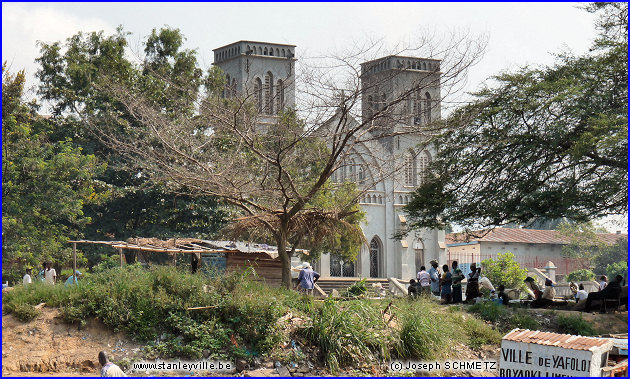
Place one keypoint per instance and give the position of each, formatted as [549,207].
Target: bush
[357,289]
[614,269]
[504,270]
[25,312]
[348,333]
[420,336]
[580,276]
[521,319]
[575,325]
[488,310]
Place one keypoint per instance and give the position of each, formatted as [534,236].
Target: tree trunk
[285,258]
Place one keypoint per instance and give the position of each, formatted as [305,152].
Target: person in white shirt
[425,281]
[603,282]
[581,294]
[27,277]
[50,275]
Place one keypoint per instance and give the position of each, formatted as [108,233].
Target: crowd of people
[447,284]
[48,275]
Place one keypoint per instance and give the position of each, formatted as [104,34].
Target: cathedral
[266,71]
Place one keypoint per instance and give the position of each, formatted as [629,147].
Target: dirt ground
[47,346]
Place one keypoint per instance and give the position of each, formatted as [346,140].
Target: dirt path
[48,346]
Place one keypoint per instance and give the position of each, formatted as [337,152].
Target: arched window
[265,52]
[416,109]
[380,199]
[427,107]
[284,53]
[370,102]
[400,200]
[271,52]
[352,175]
[410,169]
[279,96]
[424,65]
[423,163]
[260,50]
[269,93]
[258,94]
[376,251]
[361,174]
[277,52]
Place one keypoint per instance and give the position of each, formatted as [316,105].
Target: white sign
[520,359]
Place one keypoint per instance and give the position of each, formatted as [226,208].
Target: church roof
[257,42]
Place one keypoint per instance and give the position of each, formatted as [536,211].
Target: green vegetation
[547,141]
[506,318]
[575,325]
[504,270]
[242,318]
[614,269]
[580,275]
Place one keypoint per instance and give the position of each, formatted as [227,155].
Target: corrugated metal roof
[523,236]
[565,341]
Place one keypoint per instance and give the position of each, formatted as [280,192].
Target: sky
[518,34]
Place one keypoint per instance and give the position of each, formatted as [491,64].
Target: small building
[532,248]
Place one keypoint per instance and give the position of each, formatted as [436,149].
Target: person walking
[307,278]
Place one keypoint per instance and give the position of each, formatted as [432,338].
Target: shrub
[488,310]
[575,325]
[614,269]
[521,319]
[420,336]
[504,270]
[580,275]
[357,289]
[25,312]
[348,333]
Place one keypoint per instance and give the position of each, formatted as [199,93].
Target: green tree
[504,270]
[581,275]
[46,183]
[547,142]
[617,268]
[583,242]
[70,74]
[618,252]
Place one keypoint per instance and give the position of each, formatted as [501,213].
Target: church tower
[388,79]
[263,71]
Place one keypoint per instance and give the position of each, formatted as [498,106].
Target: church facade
[265,71]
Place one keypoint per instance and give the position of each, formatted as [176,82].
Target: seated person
[603,282]
[532,288]
[413,289]
[611,291]
[580,297]
[546,299]
[503,297]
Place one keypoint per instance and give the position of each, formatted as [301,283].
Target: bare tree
[277,171]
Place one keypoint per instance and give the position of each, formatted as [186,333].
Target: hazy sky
[518,33]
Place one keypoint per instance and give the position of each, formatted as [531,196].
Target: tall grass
[241,318]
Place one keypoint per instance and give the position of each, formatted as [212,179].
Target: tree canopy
[46,183]
[547,142]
